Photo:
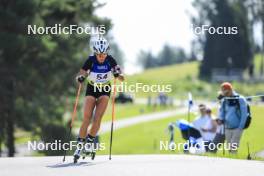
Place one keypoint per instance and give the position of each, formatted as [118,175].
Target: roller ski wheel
[89,154]
[75,159]
[93,155]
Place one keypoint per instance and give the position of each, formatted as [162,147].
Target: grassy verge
[145,138]
[126,111]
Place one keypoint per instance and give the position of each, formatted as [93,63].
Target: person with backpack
[234,114]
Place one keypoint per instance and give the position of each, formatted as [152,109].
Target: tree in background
[147,60]
[37,71]
[256,10]
[167,56]
[220,49]
[170,55]
[117,53]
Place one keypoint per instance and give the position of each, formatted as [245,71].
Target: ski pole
[248,97]
[73,116]
[249,156]
[113,118]
[190,103]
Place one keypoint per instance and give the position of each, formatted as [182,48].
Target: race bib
[100,77]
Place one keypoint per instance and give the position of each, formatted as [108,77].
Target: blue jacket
[234,115]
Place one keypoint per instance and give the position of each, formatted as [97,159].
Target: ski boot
[78,151]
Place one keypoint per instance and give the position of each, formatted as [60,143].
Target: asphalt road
[131,165]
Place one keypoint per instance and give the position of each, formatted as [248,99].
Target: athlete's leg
[101,105]
[88,109]
[87,115]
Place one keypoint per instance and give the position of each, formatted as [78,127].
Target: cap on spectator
[226,86]
[202,106]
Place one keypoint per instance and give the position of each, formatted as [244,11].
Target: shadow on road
[59,165]
[62,165]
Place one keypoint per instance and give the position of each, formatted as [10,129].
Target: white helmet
[100,45]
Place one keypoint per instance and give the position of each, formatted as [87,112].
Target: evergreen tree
[37,71]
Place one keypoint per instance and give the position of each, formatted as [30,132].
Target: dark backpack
[249,117]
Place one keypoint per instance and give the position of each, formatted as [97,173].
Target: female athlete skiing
[97,72]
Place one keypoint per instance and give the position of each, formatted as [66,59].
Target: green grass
[166,74]
[144,138]
[129,110]
[183,78]
[139,139]
[254,135]
[125,111]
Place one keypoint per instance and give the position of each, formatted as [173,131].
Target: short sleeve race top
[99,72]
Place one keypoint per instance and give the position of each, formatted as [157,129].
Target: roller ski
[90,147]
[89,151]
[77,155]
[78,152]
[83,154]
[85,149]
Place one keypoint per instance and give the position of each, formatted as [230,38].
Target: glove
[80,78]
[117,71]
